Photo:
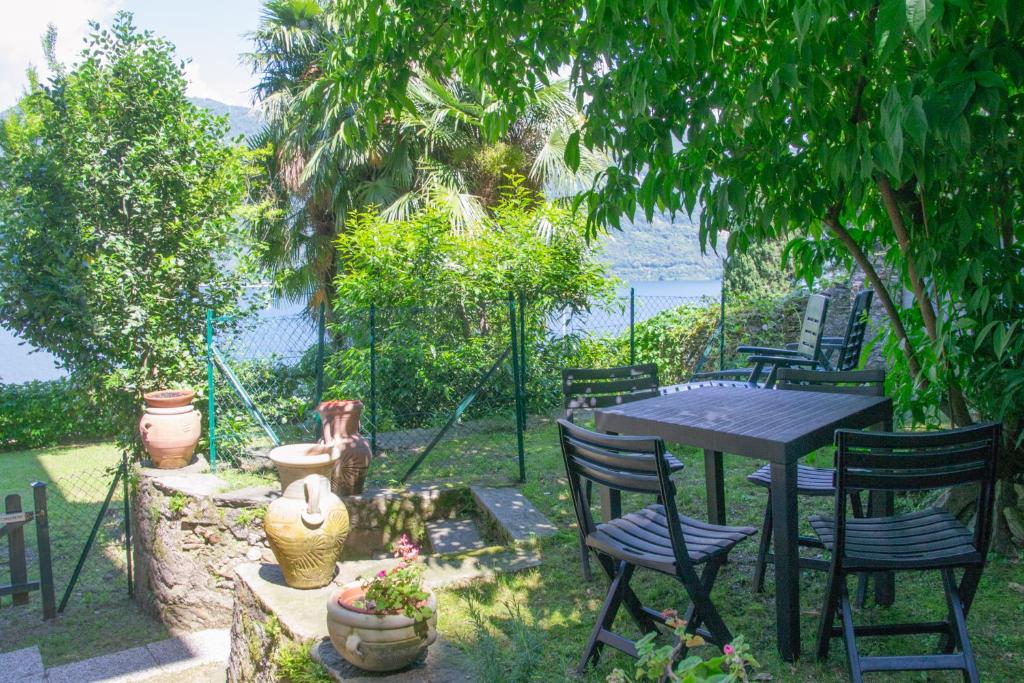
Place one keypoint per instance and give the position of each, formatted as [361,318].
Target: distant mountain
[662,249]
[243,121]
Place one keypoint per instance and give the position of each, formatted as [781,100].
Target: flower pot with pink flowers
[387,622]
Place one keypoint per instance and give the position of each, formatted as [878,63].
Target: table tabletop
[776,425]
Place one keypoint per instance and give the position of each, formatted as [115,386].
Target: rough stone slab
[128,665]
[197,466]
[253,496]
[21,666]
[453,536]
[190,484]
[442,664]
[190,650]
[301,613]
[452,570]
[517,519]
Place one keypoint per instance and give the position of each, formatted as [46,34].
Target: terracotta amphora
[306,528]
[341,431]
[170,427]
[375,641]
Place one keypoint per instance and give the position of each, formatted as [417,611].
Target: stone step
[515,516]
[21,665]
[453,536]
[201,656]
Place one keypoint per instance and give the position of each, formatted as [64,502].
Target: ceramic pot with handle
[374,641]
[306,528]
[341,431]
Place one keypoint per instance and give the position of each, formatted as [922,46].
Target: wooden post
[45,558]
[16,549]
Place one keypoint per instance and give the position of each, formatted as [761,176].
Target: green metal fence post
[373,379]
[321,341]
[721,319]
[632,326]
[520,448]
[522,383]
[210,403]
[127,525]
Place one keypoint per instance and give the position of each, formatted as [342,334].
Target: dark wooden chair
[655,537]
[843,353]
[765,362]
[812,481]
[591,388]
[924,540]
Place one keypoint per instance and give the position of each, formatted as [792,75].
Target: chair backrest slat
[856,329]
[864,382]
[625,463]
[919,461]
[589,388]
[813,326]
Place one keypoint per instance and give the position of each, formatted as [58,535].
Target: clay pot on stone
[306,528]
[341,429]
[297,460]
[170,427]
[374,641]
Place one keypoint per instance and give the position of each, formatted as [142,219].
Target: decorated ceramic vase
[374,641]
[170,427]
[341,430]
[306,528]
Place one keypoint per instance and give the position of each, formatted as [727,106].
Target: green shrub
[36,414]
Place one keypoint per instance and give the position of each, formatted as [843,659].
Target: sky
[210,33]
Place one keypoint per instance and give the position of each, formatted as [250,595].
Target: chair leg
[701,609]
[849,634]
[606,617]
[584,550]
[765,546]
[959,618]
[828,614]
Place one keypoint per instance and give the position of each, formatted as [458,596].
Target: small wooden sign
[15,517]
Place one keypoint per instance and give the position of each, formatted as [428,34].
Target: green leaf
[892,20]
[915,121]
[917,13]
[572,151]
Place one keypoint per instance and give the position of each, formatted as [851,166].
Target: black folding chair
[925,540]
[806,353]
[590,388]
[813,481]
[843,353]
[656,537]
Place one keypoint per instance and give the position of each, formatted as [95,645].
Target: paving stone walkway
[199,657]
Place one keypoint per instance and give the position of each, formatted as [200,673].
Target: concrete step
[453,536]
[200,656]
[25,665]
[515,516]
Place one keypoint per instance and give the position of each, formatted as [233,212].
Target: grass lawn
[99,617]
[533,626]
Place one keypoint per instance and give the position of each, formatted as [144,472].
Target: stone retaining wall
[190,533]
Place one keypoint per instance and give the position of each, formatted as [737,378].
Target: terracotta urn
[297,460]
[375,641]
[170,427]
[341,430]
[306,528]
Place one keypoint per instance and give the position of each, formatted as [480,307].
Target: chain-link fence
[86,516]
[448,388]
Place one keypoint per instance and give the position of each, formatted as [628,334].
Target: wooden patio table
[778,426]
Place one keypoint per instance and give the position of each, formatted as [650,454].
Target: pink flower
[729,650]
[381,574]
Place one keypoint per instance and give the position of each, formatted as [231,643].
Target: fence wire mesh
[75,496]
[439,381]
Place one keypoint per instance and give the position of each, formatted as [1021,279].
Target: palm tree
[321,167]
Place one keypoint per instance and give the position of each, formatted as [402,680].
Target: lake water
[19,362]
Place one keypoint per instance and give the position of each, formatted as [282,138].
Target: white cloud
[21,33]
